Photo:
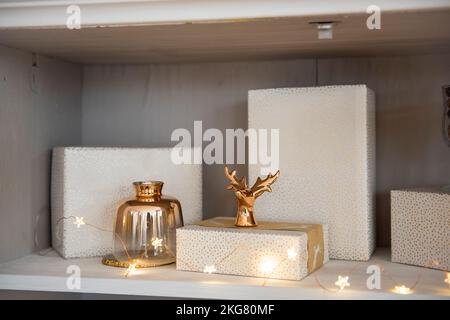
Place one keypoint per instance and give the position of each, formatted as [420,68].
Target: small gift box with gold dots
[420,232]
[271,250]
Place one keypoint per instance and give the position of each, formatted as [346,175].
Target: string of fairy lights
[268,267]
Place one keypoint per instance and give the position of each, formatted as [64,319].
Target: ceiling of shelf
[401,33]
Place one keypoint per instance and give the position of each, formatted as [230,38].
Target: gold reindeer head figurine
[246,196]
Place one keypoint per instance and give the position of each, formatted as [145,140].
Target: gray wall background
[136,105]
[140,105]
[31,123]
[410,147]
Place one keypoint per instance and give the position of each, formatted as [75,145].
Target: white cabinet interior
[162,75]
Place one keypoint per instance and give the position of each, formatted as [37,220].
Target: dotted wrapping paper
[271,254]
[326,160]
[420,227]
[92,183]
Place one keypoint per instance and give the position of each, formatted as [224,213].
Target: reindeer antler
[235,183]
[246,196]
[261,186]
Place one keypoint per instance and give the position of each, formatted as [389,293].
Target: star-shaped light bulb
[209,269]
[131,268]
[342,282]
[447,278]
[157,242]
[267,265]
[292,254]
[402,289]
[79,221]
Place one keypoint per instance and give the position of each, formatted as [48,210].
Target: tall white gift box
[326,160]
[91,183]
[420,227]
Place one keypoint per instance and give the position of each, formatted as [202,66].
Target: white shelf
[48,273]
[52,13]
[200,31]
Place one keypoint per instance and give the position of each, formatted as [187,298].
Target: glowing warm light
[342,282]
[209,269]
[401,290]
[131,269]
[79,221]
[435,263]
[157,242]
[267,265]
[292,254]
[447,278]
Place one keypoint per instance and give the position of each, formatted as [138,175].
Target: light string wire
[429,264]
[333,290]
[269,276]
[43,252]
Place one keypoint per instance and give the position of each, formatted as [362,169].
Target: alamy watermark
[373,22]
[73,281]
[374,280]
[263,147]
[73,21]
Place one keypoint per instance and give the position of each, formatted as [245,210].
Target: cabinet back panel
[33,119]
[140,106]
[411,151]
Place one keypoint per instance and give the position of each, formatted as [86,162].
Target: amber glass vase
[144,232]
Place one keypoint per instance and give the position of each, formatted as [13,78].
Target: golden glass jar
[144,232]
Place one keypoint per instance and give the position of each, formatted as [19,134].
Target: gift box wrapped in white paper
[90,183]
[420,227]
[326,160]
[271,250]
